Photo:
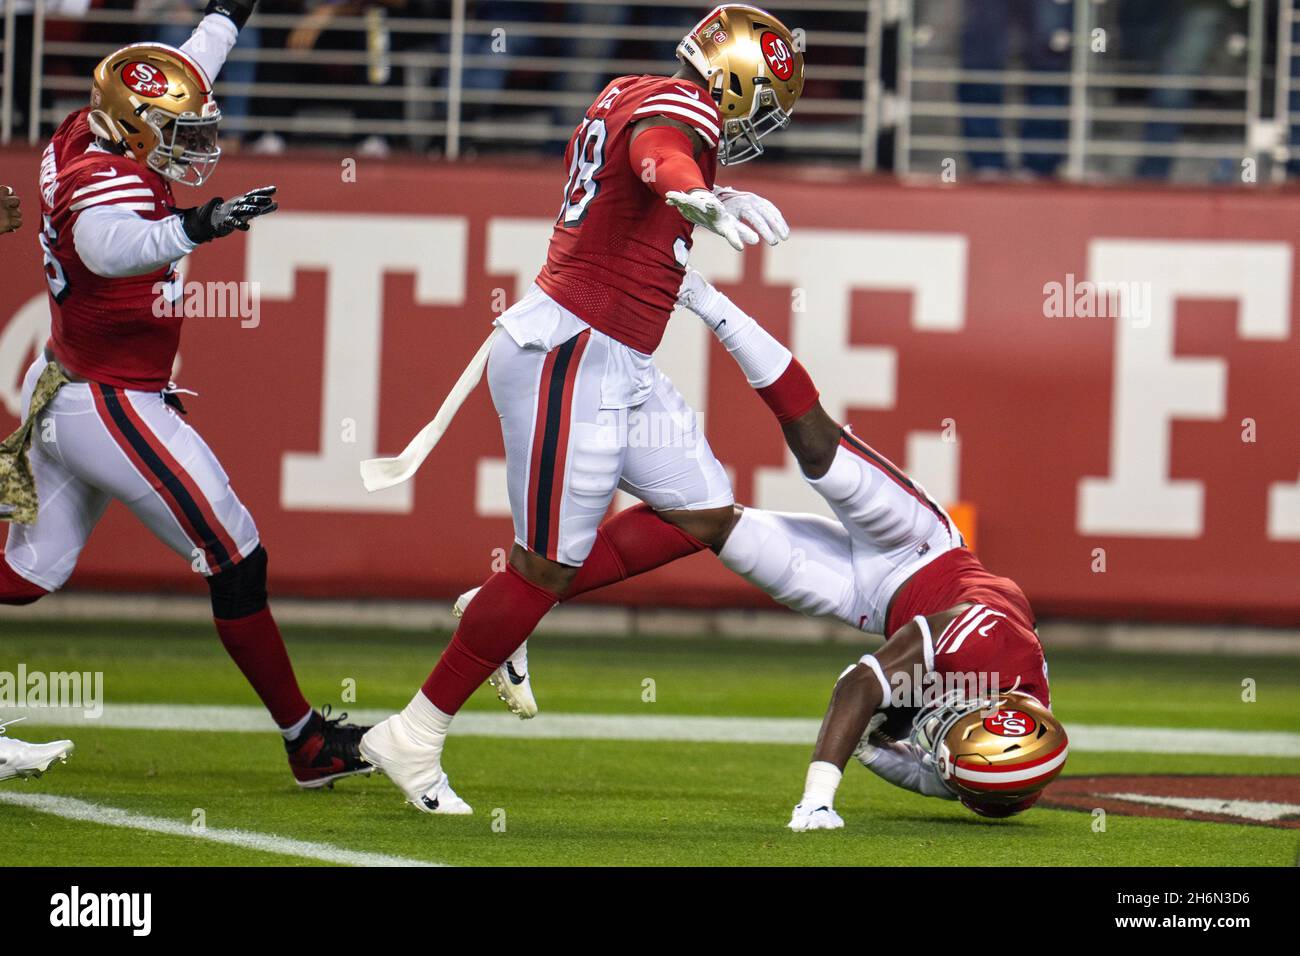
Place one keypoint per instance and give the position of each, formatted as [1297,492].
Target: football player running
[572,364]
[100,418]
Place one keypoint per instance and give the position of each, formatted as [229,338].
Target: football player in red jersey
[956,704]
[961,675]
[571,369]
[100,418]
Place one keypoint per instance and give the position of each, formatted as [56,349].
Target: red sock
[498,620]
[630,543]
[255,645]
[16,589]
[792,395]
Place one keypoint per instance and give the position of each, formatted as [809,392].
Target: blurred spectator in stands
[22,69]
[177,19]
[321,30]
[1176,40]
[1043,28]
[497,38]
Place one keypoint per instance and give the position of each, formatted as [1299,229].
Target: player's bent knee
[709,525]
[240,591]
[543,572]
[16,590]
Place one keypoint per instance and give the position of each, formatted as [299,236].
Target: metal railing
[889,82]
[1105,102]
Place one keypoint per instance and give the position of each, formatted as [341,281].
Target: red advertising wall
[1145,464]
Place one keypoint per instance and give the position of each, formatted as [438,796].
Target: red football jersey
[997,635]
[618,252]
[102,329]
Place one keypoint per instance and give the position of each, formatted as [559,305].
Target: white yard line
[612,621]
[1084,738]
[70,809]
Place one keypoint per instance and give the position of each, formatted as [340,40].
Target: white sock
[761,357]
[804,561]
[425,722]
[821,783]
[887,516]
[293,730]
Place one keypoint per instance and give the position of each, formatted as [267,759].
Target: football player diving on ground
[101,420]
[892,563]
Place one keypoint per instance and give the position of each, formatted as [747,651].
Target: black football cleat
[326,751]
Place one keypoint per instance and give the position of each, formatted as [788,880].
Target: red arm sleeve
[667,152]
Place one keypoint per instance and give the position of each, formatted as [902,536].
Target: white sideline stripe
[70,809]
[1084,738]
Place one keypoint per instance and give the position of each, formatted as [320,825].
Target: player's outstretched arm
[215,36]
[114,242]
[662,154]
[11,212]
[862,690]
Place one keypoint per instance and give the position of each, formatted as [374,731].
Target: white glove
[806,818]
[755,210]
[707,210]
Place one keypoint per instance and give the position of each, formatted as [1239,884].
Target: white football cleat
[21,759]
[814,818]
[511,681]
[412,766]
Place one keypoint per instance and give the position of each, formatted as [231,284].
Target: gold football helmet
[157,104]
[753,69]
[996,754]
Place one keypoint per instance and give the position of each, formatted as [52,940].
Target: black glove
[220,217]
[237,10]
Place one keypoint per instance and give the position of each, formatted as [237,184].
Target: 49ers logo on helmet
[777,53]
[145,79]
[1010,723]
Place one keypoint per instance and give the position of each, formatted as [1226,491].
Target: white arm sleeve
[902,765]
[210,43]
[114,242]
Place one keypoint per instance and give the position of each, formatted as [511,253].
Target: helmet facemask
[741,137]
[187,150]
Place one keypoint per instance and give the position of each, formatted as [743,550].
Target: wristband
[237,11]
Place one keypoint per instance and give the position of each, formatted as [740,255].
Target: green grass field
[601,802]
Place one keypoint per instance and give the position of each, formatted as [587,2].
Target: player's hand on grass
[220,217]
[11,213]
[807,818]
[705,209]
[758,212]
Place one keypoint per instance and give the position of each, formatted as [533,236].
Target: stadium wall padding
[1143,464]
